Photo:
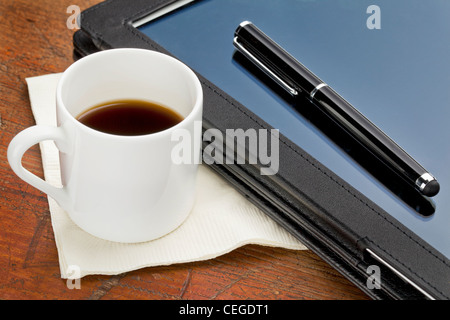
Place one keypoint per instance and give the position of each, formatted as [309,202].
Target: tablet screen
[392,62]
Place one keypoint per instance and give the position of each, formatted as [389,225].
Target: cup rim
[198,104]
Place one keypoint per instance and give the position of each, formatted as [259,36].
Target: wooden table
[35,40]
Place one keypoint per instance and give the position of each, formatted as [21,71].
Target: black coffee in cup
[129,117]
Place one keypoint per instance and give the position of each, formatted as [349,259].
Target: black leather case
[327,214]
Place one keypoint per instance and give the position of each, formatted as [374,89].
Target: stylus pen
[297,79]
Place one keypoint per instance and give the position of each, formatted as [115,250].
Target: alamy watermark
[235,146]
[374,20]
[374,279]
[73,21]
[73,277]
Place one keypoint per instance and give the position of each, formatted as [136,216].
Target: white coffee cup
[120,188]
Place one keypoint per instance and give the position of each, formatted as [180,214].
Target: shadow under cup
[127,188]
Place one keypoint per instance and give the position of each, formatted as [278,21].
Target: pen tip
[431,189]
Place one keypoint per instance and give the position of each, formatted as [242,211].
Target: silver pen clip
[266,70]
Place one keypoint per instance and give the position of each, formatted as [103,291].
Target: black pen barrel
[276,58]
[369,135]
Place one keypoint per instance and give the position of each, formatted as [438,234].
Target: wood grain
[34,40]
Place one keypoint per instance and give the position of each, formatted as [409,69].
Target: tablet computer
[389,59]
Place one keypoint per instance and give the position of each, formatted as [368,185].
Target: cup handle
[26,139]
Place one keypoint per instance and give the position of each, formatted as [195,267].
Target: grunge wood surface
[34,40]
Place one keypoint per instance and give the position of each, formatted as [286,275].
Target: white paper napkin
[220,221]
